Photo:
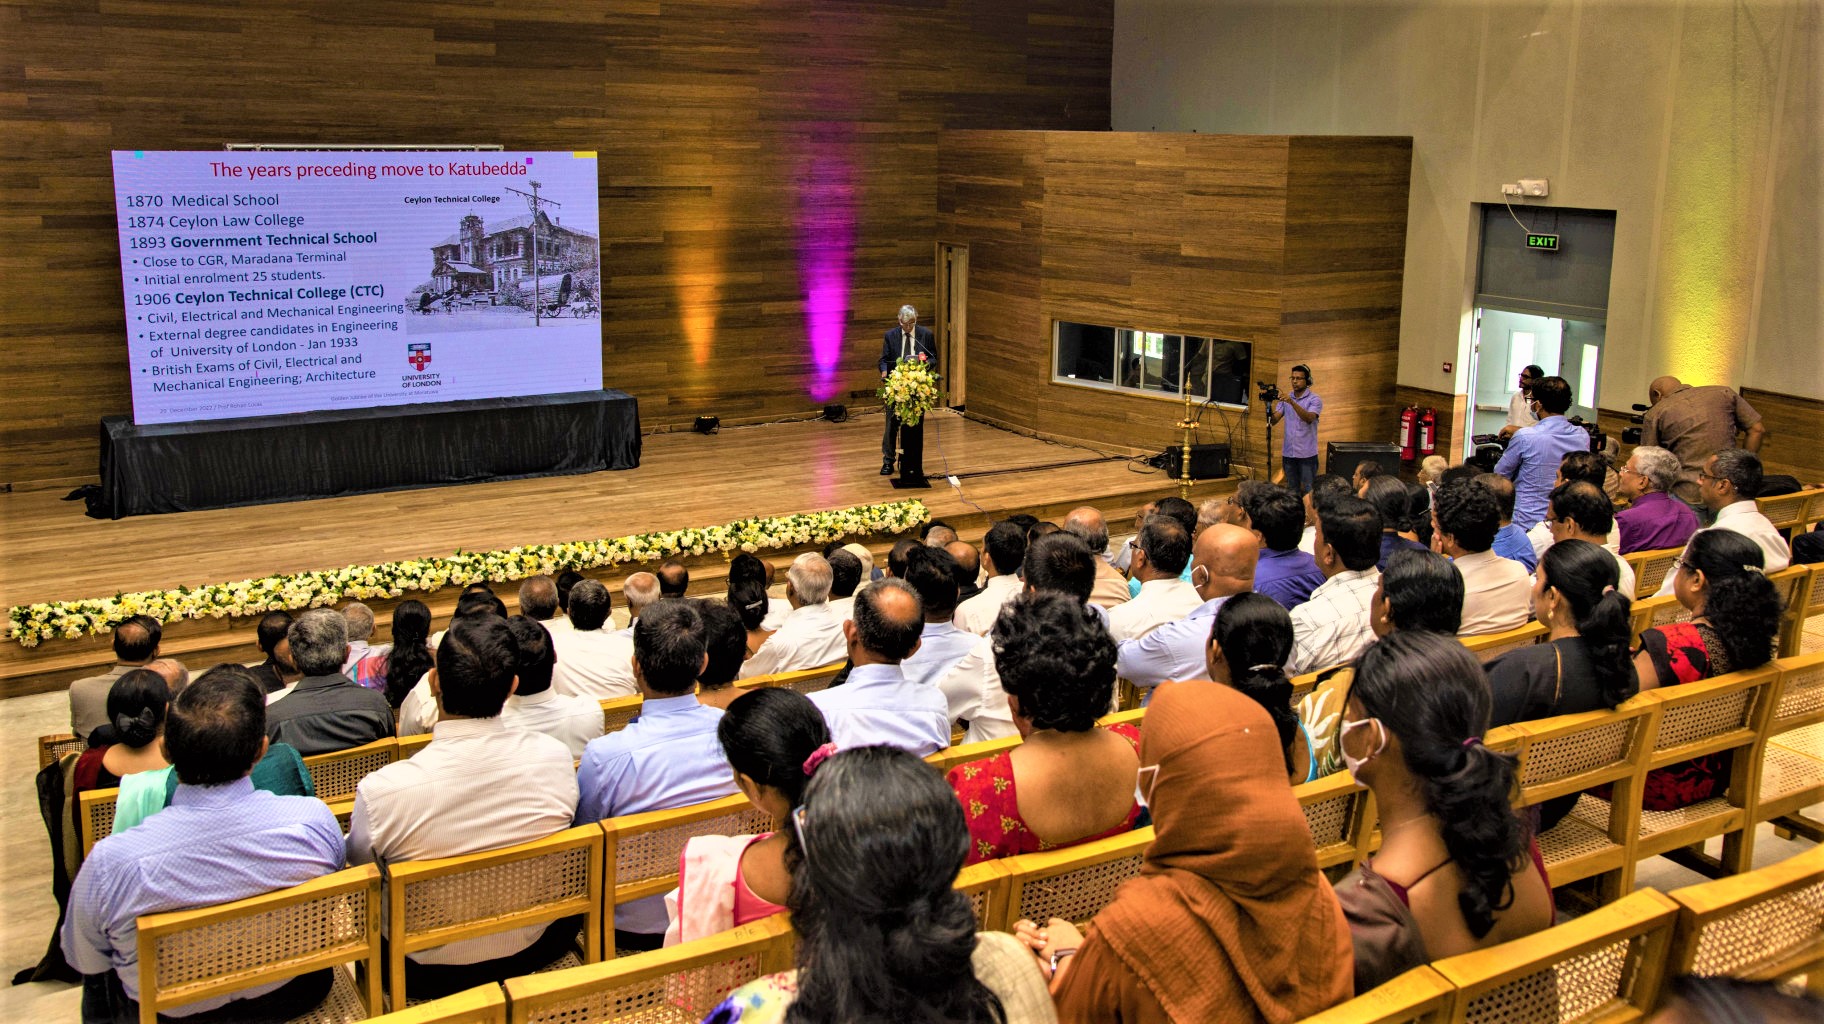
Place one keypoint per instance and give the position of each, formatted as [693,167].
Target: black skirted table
[182,467]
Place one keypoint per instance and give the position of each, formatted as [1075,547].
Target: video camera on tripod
[1631,435]
[1269,392]
[1489,447]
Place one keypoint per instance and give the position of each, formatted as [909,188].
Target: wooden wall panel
[1795,434]
[735,136]
[1226,236]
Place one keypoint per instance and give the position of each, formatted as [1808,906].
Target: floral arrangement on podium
[33,624]
[911,390]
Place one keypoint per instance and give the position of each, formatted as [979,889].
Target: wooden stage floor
[54,552]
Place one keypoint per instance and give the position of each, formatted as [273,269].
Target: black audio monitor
[1208,461]
[1343,456]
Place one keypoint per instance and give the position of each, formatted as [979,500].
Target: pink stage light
[826,248]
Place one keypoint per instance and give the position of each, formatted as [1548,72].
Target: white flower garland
[35,623]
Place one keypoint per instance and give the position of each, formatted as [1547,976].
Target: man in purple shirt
[1532,457]
[1284,573]
[1654,519]
[1299,411]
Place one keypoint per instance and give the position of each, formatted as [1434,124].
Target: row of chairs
[1611,964]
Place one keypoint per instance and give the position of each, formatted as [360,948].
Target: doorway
[1507,340]
[952,319]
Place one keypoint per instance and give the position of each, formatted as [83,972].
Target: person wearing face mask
[1457,870]
[1222,565]
[1230,918]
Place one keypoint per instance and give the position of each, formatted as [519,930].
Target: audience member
[1695,423]
[1728,485]
[774,738]
[1735,618]
[1284,572]
[845,576]
[896,556]
[1389,498]
[276,675]
[1654,519]
[327,712]
[1457,870]
[1089,526]
[146,792]
[1003,549]
[538,602]
[936,533]
[1158,563]
[1586,466]
[1431,471]
[747,596]
[932,573]
[973,690]
[674,580]
[219,841]
[1226,556]
[1418,523]
[1068,781]
[135,645]
[534,706]
[566,581]
[1327,486]
[640,590]
[882,936]
[1365,470]
[1249,644]
[1580,511]
[1585,664]
[174,673]
[1333,626]
[1532,457]
[360,620]
[593,660]
[1229,918]
[1510,540]
[968,569]
[666,758]
[866,557]
[725,641]
[878,704]
[1495,590]
[1185,514]
[811,635]
[1221,510]
[1123,557]
[1418,590]
[480,785]
[475,599]
[128,743]
[1520,407]
[410,655]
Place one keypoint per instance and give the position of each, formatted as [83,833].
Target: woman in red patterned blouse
[1068,781]
[1735,612]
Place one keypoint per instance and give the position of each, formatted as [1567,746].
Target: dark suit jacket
[922,340]
[329,713]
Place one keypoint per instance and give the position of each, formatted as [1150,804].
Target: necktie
[905,344]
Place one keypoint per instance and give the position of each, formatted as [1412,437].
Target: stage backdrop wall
[768,170]
[1294,243]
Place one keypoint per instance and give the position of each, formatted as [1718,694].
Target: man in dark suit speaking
[907,341]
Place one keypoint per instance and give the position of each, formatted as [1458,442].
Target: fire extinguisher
[1409,420]
[1428,433]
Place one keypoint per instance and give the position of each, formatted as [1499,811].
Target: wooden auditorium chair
[805,680]
[1789,512]
[1340,814]
[640,852]
[1765,925]
[681,983]
[1647,612]
[483,1004]
[1808,603]
[1728,714]
[1650,568]
[95,811]
[335,775]
[1420,996]
[1073,883]
[1569,754]
[1491,646]
[52,748]
[950,757]
[433,902]
[1792,762]
[1608,965]
[987,885]
[328,922]
[618,711]
[1792,584]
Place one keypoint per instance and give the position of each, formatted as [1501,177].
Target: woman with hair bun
[1068,781]
[1735,613]
[136,719]
[882,935]
[774,740]
[747,595]
[1457,869]
[1250,642]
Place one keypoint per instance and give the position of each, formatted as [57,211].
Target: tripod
[1269,404]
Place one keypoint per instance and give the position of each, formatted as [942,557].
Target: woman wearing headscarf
[1230,918]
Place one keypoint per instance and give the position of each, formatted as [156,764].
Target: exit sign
[1548,243]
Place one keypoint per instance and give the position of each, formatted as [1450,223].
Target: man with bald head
[135,644]
[1222,565]
[1695,423]
[640,591]
[1089,526]
[878,704]
[968,568]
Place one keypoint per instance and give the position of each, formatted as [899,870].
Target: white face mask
[1354,764]
[1143,786]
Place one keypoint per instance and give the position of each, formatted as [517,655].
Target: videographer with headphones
[1298,451]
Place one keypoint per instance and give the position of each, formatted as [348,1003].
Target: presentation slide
[260,284]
